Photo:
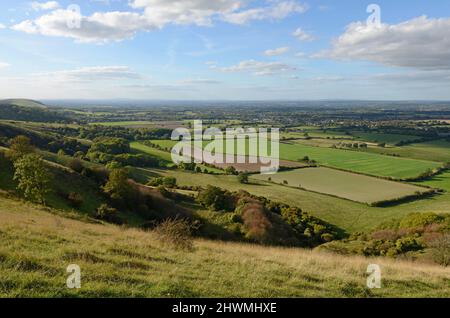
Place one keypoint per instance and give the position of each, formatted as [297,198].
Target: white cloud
[420,43]
[2,26]
[300,54]
[301,35]
[277,11]
[119,25]
[195,81]
[259,68]
[3,65]
[89,74]
[277,51]
[99,27]
[40,6]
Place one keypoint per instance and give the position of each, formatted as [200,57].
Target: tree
[230,170]
[118,186]
[170,182]
[243,178]
[19,147]
[33,177]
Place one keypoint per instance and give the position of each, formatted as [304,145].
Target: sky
[225,49]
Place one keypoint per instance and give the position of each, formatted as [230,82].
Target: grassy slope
[351,216]
[37,247]
[23,103]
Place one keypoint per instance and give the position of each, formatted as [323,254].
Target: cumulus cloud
[301,35]
[421,43]
[90,74]
[277,51]
[99,27]
[260,68]
[40,6]
[151,15]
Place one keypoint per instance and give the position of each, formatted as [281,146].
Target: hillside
[38,245]
[23,103]
[28,110]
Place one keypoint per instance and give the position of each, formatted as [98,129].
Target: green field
[141,124]
[348,215]
[342,184]
[164,155]
[434,151]
[441,181]
[37,247]
[383,137]
[362,162]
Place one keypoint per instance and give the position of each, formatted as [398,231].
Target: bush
[441,249]
[243,178]
[216,199]
[75,199]
[108,214]
[176,233]
[256,222]
[76,165]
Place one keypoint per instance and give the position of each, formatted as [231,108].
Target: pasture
[438,150]
[382,137]
[441,181]
[343,184]
[362,162]
[356,161]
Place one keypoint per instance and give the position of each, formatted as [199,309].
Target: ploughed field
[343,184]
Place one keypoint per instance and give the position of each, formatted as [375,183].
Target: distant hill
[23,103]
[29,110]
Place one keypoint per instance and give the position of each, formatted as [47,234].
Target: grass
[348,215]
[383,137]
[343,184]
[37,246]
[142,124]
[441,181]
[438,150]
[165,156]
[362,162]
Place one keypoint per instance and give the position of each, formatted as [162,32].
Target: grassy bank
[37,246]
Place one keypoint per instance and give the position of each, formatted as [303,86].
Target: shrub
[216,199]
[108,214]
[176,233]
[75,199]
[441,249]
[243,178]
[408,244]
[256,222]
[76,165]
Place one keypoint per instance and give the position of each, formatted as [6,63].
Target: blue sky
[224,49]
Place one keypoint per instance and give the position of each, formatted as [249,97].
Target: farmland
[367,163]
[351,216]
[333,194]
[362,162]
[342,184]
